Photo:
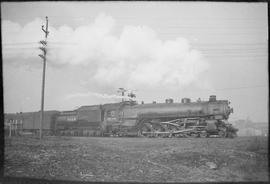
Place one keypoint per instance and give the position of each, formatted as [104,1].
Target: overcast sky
[160,49]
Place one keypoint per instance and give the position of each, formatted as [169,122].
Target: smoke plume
[135,57]
[99,95]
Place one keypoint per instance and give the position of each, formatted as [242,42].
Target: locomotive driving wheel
[231,135]
[146,130]
[203,134]
[158,130]
[194,135]
[221,133]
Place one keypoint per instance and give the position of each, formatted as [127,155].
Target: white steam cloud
[135,57]
[99,95]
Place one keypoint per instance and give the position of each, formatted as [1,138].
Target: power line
[201,44]
[20,43]
[224,52]
[235,43]
[168,18]
[232,58]
[230,49]
[19,48]
[259,28]
[228,89]
[210,33]
[26,43]
[220,53]
[243,87]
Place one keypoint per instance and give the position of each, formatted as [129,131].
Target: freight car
[30,121]
[169,119]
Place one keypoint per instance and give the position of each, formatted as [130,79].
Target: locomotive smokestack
[185,100]
[212,98]
[169,100]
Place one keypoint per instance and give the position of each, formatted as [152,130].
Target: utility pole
[44,50]
[10,124]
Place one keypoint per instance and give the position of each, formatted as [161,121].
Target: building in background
[249,128]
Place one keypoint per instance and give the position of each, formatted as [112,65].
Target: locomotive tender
[169,119]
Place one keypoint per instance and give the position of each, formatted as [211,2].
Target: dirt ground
[138,159]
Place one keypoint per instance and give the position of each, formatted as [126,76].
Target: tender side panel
[90,116]
[48,118]
[66,119]
[84,118]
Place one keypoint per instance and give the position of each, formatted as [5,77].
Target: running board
[175,132]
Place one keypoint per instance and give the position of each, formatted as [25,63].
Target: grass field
[138,159]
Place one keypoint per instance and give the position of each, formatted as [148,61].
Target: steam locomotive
[128,118]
